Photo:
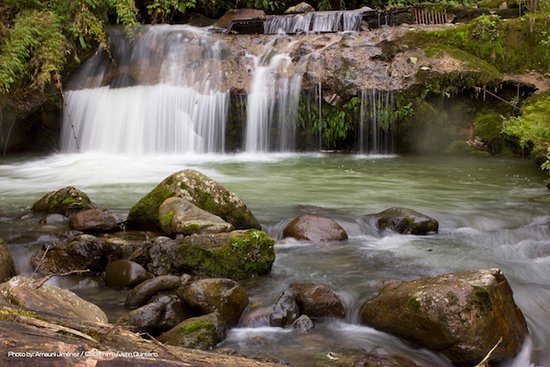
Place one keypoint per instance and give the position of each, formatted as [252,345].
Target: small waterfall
[315,22]
[376,129]
[272,104]
[165,95]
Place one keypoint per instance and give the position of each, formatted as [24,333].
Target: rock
[314,228]
[79,253]
[236,255]
[124,273]
[285,311]
[238,14]
[460,315]
[128,245]
[202,332]
[64,201]
[143,292]
[46,299]
[174,312]
[93,220]
[28,333]
[200,190]
[216,295]
[303,323]
[404,221]
[147,318]
[55,219]
[7,266]
[318,301]
[300,8]
[180,216]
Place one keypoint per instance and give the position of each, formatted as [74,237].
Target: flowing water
[491,214]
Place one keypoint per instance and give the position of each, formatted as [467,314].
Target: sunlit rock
[314,228]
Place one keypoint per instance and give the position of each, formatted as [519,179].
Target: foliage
[161,10]
[38,37]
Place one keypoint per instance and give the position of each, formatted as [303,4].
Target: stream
[493,212]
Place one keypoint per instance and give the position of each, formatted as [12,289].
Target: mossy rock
[200,190]
[64,201]
[202,332]
[405,221]
[236,255]
[7,266]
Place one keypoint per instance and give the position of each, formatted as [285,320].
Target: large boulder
[141,294]
[201,191]
[460,315]
[79,253]
[314,228]
[63,201]
[202,332]
[238,14]
[318,301]
[124,273]
[7,266]
[34,296]
[404,221]
[93,220]
[236,255]
[180,216]
[300,8]
[214,294]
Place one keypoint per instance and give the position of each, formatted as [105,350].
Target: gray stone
[285,311]
[405,221]
[93,220]
[303,324]
[143,292]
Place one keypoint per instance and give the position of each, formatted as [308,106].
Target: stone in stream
[145,319]
[213,294]
[303,324]
[50,300]
[124,273]
[7,266]
[63,201]
[174,312]
[315,228]
[180,216]
[460,315]
[93,220]
[285,311]
[200,190]
[236,255]
[202,332]
[404,221]
[318,301]
[141,294]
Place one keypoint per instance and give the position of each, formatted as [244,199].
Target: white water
[375,122]
[315,22]
[178,105]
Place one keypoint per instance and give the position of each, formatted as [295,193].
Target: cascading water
[166,95]
[375,122]
[315,22]
[272,104]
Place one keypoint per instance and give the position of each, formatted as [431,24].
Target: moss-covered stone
[202,332]
[236,255]
[405,221]
[201,191]
[63,201]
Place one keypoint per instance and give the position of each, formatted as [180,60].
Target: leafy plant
[161,10]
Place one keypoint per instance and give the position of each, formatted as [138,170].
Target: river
[493,212]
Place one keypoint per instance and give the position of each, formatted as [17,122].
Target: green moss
[166,219]
[144,215]
[488,125]
[413,304]
[452,297]
[7,313]
[193,326]
[481,299]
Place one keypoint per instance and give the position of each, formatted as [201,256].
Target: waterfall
[165,95]
[272,103]
[376,128]
[315,22]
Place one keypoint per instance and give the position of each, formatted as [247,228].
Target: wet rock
[404,221]
[236,255]
[460,315]
[7,266]
[144,291]
[200,190]
[55,219]
[93,220]
[46,299]
[79,253]
[64,201]
[147,318]
[221,295]
[202,332]
[303,323]
[314,228]
[285,311]
[180,216]
[124,273]
[174,312]
[126,245]
[317,301]
[239,14]
[300,8]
